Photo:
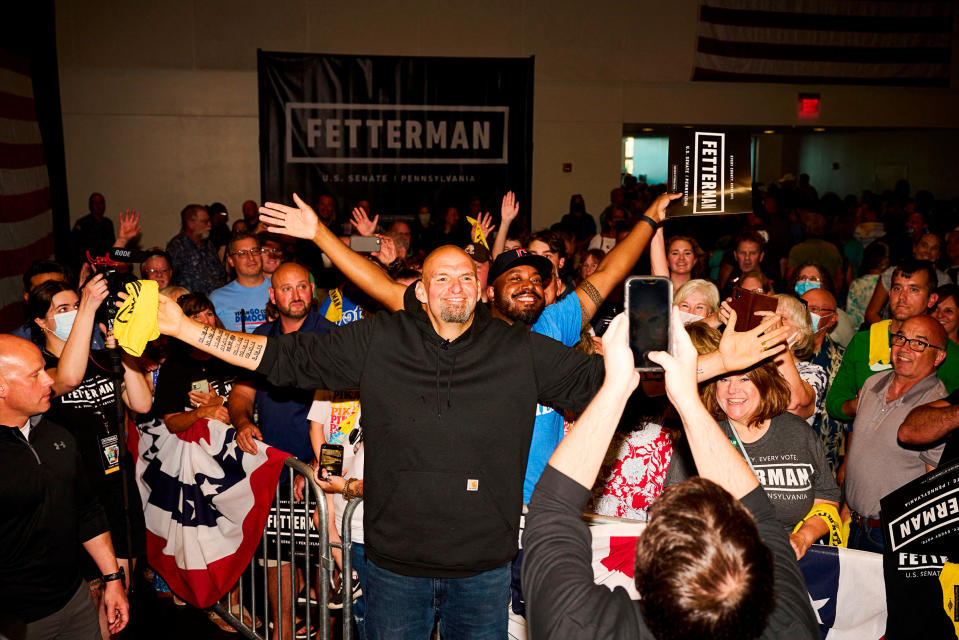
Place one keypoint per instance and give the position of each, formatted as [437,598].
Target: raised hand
[679,366]
[362,223]
[742,349]
[618,357]
[510,208]
[485,224]
[129,225]
[299,221]
[95,291]
[387,253]
[657,210]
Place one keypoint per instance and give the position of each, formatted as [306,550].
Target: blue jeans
[400,607]
[865,538]
[358,560]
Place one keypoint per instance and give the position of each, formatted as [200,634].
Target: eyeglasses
[243,253]
[154,272]
[808,279]
[275,253]
[915,344]
[820,311]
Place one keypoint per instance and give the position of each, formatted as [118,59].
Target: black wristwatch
[119,575]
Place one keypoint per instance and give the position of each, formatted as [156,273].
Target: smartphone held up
[649,303]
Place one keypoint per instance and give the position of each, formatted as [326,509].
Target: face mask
[688,318]
[424,219]
[64,324]
[815,321]
[805,285]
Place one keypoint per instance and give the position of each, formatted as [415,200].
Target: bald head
[291,291]
[444,255]
[910,360]
[14,352]
[290,270]
[24,384]
[449,290]
[928,328]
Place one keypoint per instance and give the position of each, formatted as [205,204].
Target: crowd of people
[479,372]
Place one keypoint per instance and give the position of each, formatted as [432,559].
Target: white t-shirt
[340,415]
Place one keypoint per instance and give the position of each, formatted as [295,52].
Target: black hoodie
[447,427]
[48,509]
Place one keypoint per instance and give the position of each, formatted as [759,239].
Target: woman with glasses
[85,404]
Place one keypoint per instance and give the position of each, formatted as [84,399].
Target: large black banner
[921,527]
[401,132]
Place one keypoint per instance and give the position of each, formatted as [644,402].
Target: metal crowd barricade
[292,536]
[347,574]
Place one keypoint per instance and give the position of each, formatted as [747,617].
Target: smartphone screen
[331,458]
[649,301]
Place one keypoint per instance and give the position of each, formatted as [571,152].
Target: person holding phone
[191,385]
[712,561]
[335,422]
[780,448]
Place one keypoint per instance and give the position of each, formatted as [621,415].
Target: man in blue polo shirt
[282,411]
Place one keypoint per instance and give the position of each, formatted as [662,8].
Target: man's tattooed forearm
[591,291]
[220,340]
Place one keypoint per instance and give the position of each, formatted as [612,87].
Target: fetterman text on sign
[712,170]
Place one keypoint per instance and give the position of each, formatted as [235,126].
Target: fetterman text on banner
[921,526]
[400,132]
[711,168]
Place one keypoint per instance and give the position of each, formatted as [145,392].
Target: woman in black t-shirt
[62,325]
[192,384]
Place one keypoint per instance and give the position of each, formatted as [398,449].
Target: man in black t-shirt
[932,423]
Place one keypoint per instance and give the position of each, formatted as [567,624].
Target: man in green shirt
[911,295]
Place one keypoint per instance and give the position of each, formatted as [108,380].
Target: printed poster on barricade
[712,168]
[291,521]
[398,131]
[921,525]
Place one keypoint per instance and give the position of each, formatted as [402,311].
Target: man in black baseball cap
[516,282]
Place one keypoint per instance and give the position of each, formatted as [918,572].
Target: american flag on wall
[855,42]
[26,220]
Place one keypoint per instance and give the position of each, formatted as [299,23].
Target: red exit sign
[808,105]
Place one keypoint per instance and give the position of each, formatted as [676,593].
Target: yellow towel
[478,235]
[136,321]
[334,312]
[879,358]
[837,533]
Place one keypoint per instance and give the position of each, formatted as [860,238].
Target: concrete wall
[159,99]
